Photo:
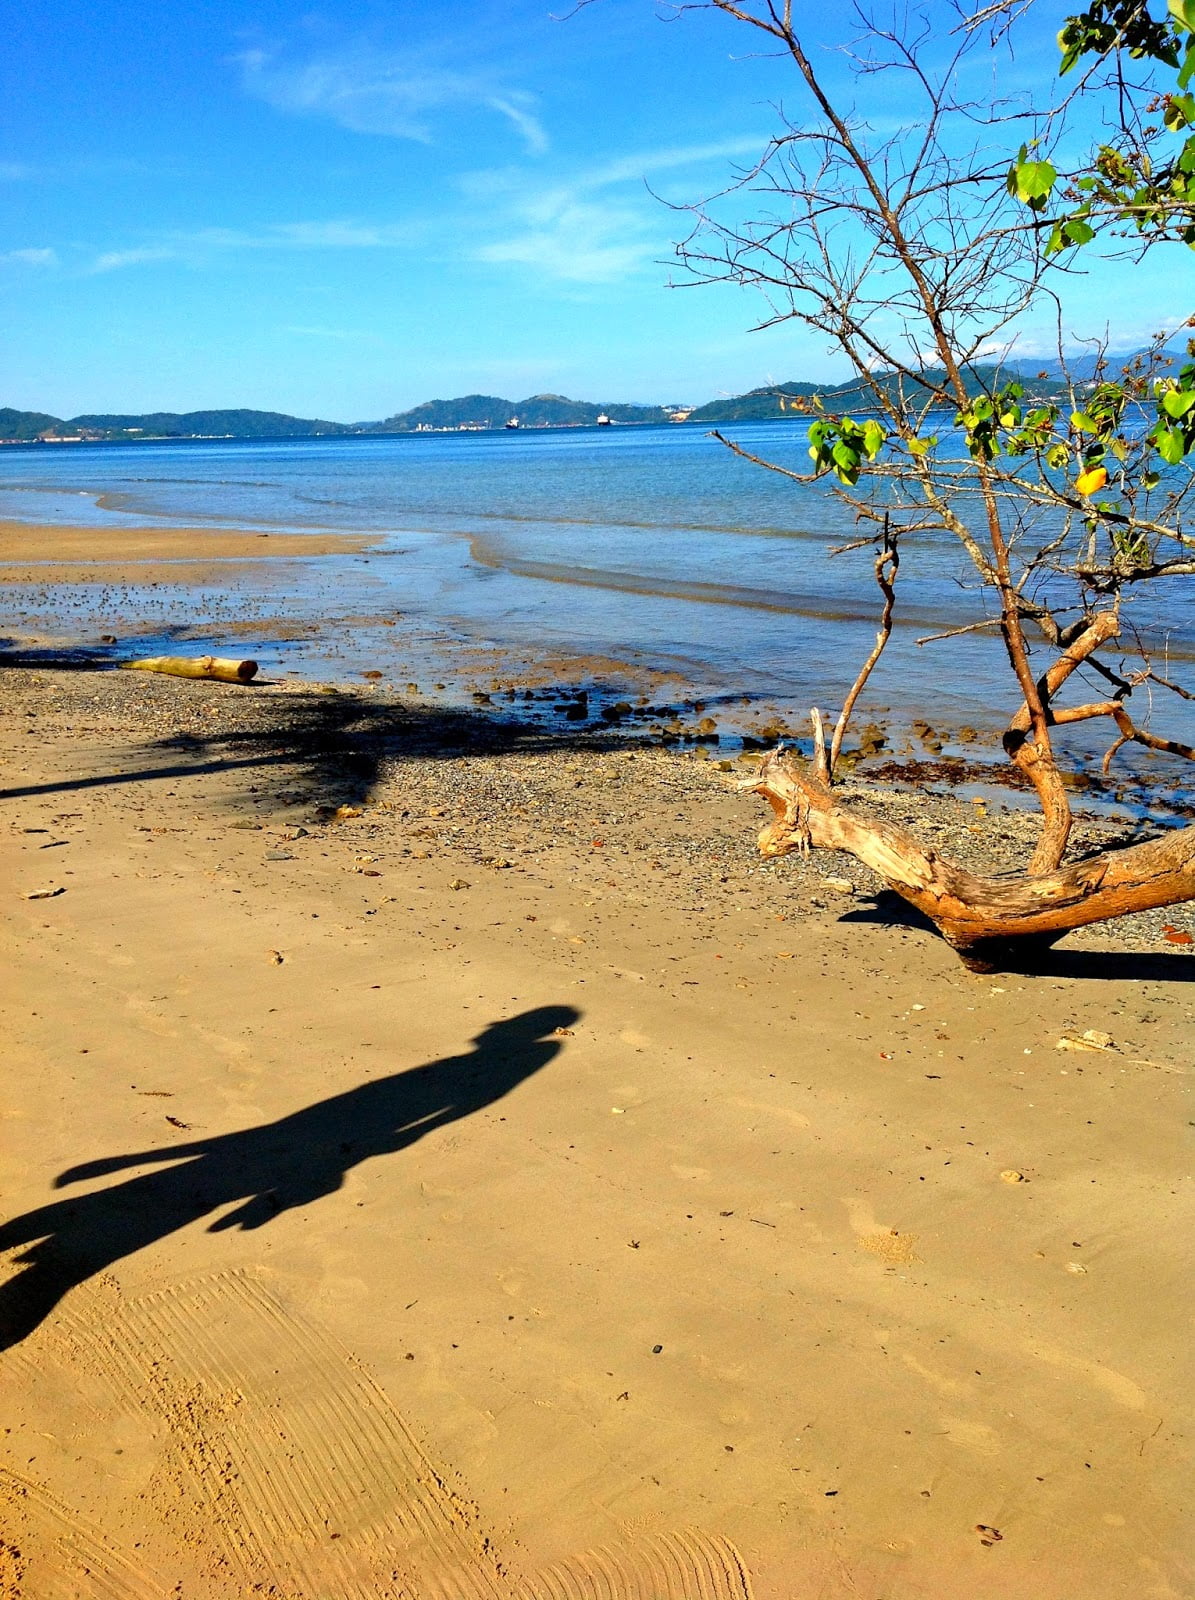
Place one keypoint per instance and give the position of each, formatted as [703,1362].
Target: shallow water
[652,545]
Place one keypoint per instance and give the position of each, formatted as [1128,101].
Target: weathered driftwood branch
[218,667]
[980,917]
[1023,749]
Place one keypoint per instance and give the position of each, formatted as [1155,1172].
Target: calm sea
[653,545]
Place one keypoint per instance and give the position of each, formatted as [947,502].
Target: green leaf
[1081,421]
[1183,12]
[1031,182]
[1077,231]
[1170,446]
[1177,402]
[873,439]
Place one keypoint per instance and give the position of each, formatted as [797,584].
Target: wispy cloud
[30,258]
[309,332]
[113,260]
[202,244]
[574,241]
[373,91]
[576,229]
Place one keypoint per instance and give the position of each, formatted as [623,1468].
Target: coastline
[769,1142]
[98,594]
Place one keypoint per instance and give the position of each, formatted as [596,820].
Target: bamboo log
[218,667]
[982,918]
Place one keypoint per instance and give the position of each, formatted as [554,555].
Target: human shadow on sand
[268,1169]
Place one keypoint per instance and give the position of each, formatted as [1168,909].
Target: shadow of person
[268,1169]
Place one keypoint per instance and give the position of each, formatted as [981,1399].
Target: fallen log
[987,920]
[218,667]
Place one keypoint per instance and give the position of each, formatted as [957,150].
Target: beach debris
[1011,1175]
[459,883]
[107,638]
[176,1123]
[373,674]
[218,667]
[276,957]
[1174,935]
[988,1535]
[343,813]
[657,1349]
[247,824]
[1077,1268]
[43,894]
[1091,1039]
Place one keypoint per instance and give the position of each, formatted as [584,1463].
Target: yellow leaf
[1093,479]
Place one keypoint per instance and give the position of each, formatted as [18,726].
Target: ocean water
[651,545]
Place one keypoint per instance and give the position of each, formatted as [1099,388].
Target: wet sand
[41,553]
[467,1170]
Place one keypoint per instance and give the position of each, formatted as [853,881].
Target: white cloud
[373,91]
[30,258]
[575,241]
[113,260]
[573,231]
[203,243]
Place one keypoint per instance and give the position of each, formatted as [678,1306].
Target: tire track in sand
[310,1482]
[55,1555]
[685,1565]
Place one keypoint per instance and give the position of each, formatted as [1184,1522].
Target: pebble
[539,798]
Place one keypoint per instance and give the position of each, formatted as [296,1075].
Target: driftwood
[982,918]
[218,667]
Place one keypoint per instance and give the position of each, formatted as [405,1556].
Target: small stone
[459,883]
[1011,1175]
[839,885]
[1092,1039]
[43,894]
[1076,1267]
[278,855]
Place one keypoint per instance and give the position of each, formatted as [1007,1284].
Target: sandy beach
[441,1159]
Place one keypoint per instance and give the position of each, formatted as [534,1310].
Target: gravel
[607,811]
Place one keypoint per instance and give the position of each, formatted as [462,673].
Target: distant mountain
[1043,379]
[793,399]
[491,411]
[1083,368]
[209,424]
[25,426]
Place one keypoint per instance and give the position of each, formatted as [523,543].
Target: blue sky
[344,211]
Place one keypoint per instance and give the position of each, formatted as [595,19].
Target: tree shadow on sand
[1038,959]
[338,744]
[269,1169]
